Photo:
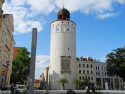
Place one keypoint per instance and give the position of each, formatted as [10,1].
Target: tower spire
[63,3]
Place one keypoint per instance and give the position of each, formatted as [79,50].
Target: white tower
[63,50]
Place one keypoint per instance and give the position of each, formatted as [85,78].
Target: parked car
[21,89]
[6,90]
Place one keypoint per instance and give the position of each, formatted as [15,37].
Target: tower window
[68,29]
[68,48]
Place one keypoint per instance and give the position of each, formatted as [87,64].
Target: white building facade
[63,50]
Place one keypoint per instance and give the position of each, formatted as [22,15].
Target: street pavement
[78,91]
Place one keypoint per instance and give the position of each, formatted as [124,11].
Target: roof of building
[84,59]
[63,11]
[63,14]
[36,81]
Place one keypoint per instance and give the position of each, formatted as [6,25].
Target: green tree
[20,66]
[63,81]
[87,82]
[116,63]
[77,82]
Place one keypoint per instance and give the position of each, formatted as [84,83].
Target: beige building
[96,72]
[6,46]
[85,69]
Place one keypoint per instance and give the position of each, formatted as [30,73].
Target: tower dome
[63,14]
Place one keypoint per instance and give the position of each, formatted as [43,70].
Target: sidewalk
[78,91]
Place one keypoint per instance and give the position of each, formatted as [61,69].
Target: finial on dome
[63,3]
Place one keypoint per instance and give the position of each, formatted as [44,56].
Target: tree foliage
[77,82]
[116,63]
[20,66]
[87,82]
[63,81]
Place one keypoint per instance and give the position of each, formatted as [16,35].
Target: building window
[79,71]
[98,68]
[91,72]
[80,77]
[91,65]
[83,71]
[83,65]
[79,65]
[105,74]
[83,78]
[98,73]
[102,73]
[91,78]
[87,65]
[102,68]
[67,29]
[87,71]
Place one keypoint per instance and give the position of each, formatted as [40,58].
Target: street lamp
[7,64]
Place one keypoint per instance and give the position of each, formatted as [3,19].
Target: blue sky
[100,26]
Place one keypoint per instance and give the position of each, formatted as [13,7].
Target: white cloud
[120,1]
[103,59]
[41,6]
[25,11]
[107,15]
[41,63]
[22,23]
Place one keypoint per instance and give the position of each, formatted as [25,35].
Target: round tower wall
[63,48]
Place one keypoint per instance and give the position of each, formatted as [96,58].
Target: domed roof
[63,11]
[63,14]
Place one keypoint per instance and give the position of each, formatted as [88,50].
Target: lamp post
[7,64]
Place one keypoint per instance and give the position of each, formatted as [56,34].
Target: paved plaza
[78,91]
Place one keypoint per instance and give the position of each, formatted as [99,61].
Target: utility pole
[33,60]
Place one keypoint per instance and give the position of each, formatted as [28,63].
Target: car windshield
[21,87]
